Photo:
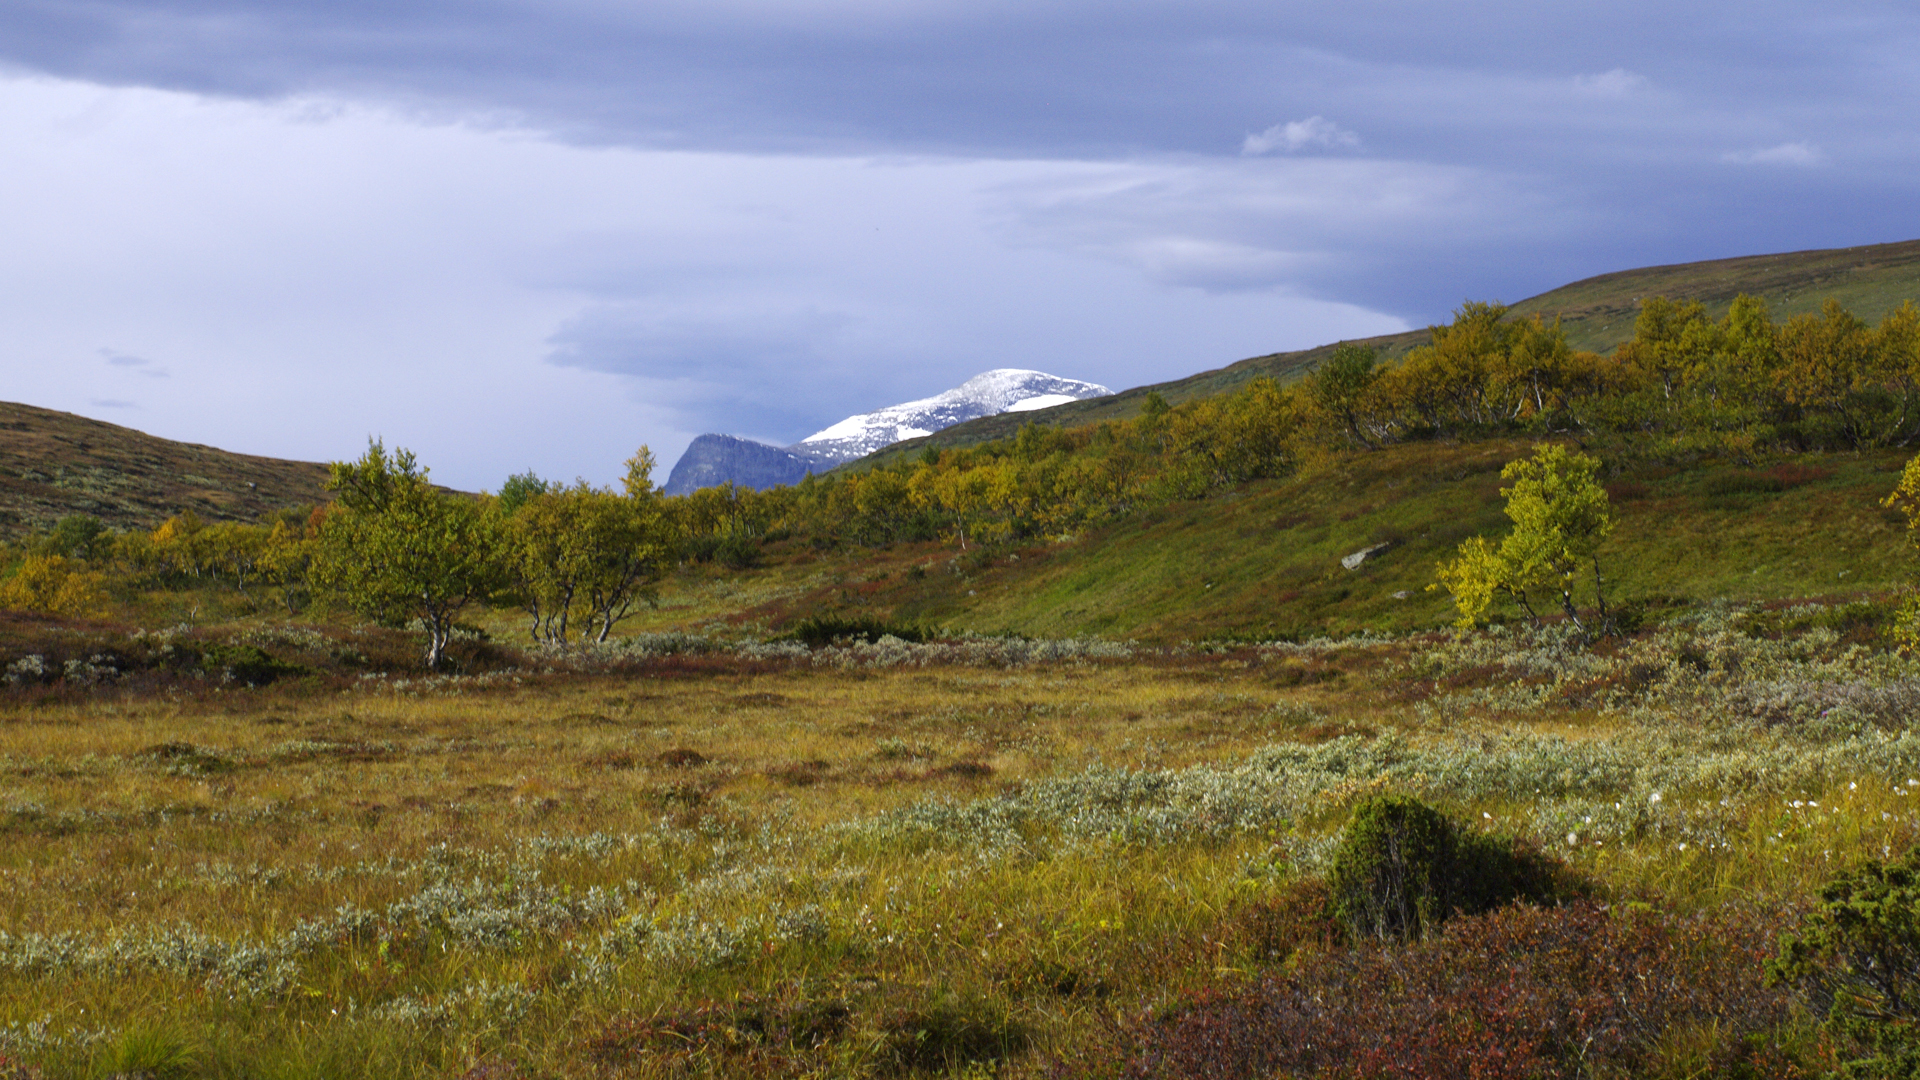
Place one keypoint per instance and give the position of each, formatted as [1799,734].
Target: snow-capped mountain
[717,459]
[997,391]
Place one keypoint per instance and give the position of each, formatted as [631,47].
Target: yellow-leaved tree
[1906,499]
[1560,518]
[55,585]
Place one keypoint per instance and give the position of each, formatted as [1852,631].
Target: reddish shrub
[768,1036]
[1792,475]
[1298,916]
[1522,992]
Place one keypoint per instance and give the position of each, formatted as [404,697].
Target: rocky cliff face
[712,460]
[716,459]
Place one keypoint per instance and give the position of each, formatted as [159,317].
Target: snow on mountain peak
[714,459]
[990,392]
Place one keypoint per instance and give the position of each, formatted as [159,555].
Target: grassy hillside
[1264,561]
[53,464]
[1597,313]
[1869,281]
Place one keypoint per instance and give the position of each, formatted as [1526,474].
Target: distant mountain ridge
[717,459]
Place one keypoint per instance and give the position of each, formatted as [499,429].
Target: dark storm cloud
[1024,79]
[759,216]
[1639,131]
[773,372]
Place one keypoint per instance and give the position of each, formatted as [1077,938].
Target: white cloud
[1799,154]
[1297,135]
[1618,83]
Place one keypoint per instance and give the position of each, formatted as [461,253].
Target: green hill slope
[1265,561]
[1597,314]
[1869,281]
[53,464]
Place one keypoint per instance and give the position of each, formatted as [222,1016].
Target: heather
[689,856]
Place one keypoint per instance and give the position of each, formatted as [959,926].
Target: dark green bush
[738,553]
[247,664]
[946,1033]
[1744,483]
[1402,868]
[75,536]
[818,630]
[1860,951]
[734,551]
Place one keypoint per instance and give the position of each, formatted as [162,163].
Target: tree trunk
[439,630]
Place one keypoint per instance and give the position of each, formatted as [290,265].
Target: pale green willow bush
[968,650]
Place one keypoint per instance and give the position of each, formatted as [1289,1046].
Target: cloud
[1618,83]
[1297,135]
[649,220]
[1799,154]
[1390,235]
[497,301]
[758,375]
[639,340]
[139,364]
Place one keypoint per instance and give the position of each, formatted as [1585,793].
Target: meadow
[687,856]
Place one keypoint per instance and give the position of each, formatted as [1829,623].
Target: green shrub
[1860,950]
[946,1033]
[817,630]
[247,664]
[735,551]
[1402,868]
[1744,483]
[148,1050]
[738,553]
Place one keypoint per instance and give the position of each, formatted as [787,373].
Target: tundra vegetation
[799,820]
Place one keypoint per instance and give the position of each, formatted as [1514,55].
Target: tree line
[577,559]
[393,547]
[1685,382]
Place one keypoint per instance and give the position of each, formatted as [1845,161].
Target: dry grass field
[983,857]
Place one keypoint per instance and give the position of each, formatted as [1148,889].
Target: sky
[515,235]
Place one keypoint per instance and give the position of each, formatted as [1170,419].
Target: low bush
[734,552]
[1402,868]
[1744,483]
[773,1035]
[247,664]
[1860,952]
[1521,992]
[1298,918]
[946,1033]
[818,630]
